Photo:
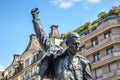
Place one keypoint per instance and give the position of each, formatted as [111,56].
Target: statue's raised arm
[51,50]
[43,39]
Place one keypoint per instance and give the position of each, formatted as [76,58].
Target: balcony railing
[36,59]
[104,40]
[111,74]
[101,28]
[101,44]
[18,69]
[106,59]
[116,53]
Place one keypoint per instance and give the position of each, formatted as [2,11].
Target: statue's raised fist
[35,11]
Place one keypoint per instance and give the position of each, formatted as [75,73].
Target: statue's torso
[69,68]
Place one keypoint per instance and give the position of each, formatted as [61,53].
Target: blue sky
[16,20]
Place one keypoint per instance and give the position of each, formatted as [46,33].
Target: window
[10,73]
[27,62]
[94,41]
[36,58]
[98,73]
[96,57]
[112,67]
[27,75]
[34,70]
[21,77]
[110,50]
[107,34]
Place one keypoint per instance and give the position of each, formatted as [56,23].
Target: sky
[16,20]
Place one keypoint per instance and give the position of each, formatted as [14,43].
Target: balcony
[106,59]
[18,69]
[115,38]
[112,75]
[36,58]
[101,28]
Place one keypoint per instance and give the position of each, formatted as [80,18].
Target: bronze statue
[58,63]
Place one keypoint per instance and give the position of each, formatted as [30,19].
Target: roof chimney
[54,31]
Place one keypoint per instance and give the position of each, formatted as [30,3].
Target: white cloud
[76,0]
[1,68]
[69,3]
[64,3]
[93,1]
[87,8]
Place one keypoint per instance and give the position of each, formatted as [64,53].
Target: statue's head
[73,42]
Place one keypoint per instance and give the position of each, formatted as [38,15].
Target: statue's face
[74,45]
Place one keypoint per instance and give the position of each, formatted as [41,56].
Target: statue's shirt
[69,68]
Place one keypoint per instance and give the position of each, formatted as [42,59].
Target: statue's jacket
[61,65]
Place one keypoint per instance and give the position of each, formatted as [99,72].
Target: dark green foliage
[65,35]
[114,12]
[61,43]
[82,28]
[95,21]
[102,15]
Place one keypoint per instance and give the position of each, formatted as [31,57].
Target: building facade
[25,66]
[101,45]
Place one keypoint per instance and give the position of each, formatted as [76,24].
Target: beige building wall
[107,67]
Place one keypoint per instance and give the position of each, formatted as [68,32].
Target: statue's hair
[70,37]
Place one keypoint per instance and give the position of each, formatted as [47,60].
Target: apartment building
[24,66]
[101,45]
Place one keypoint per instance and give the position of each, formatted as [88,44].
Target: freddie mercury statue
[58,63]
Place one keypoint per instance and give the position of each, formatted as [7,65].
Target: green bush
[114,12]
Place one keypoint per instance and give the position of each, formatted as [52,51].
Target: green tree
[87,25]
[96,21]
[102,15]
[80,29]
[114,12]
